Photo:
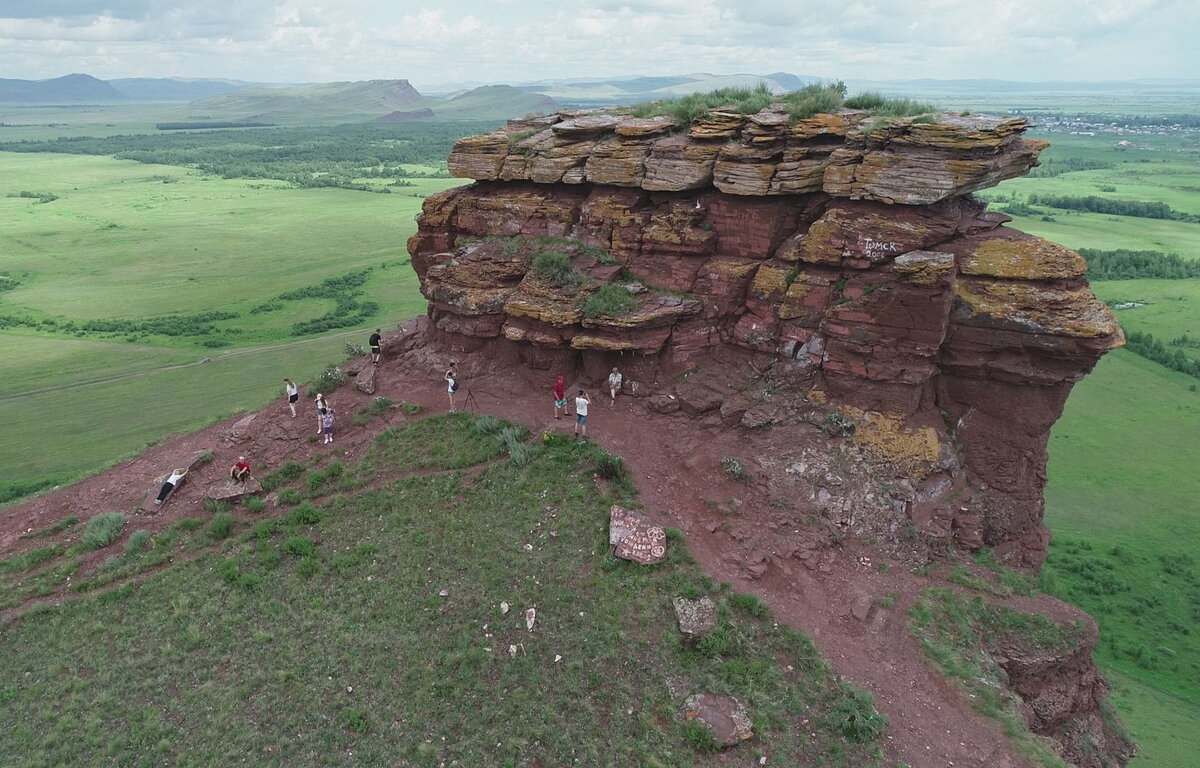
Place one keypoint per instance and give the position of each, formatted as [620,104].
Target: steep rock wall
[844,249]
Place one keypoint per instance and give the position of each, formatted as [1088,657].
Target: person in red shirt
[240,470]
[560,396]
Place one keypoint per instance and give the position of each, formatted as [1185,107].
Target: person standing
[614,385]
[375,341]
[452,383]
[581,413]
[172,483]
[322,409]
[293,394]
[327,426]
[560,396]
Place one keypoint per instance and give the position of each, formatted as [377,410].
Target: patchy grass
[610,300]
[293,639]
[956,633]
[102,530]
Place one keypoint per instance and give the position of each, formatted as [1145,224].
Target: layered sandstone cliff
[844,249]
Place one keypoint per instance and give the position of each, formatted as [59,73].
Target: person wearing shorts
[240,471]
[375,341]
[614,384]
[452,384]
[581,413]
[322,409]
[560,396]
[327,425]
[293,394]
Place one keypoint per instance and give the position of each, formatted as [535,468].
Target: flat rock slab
[228,490]
[696,617]
[634,537]
[725,716]
[189,461]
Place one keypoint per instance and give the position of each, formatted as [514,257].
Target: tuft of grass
[221,526]
[610,467]
[31,559]
[853,713]
[254,504]
[287,472]
[888,106]
[138,540]
[555,268]
[610,300]
[289,496]
[52,530]
[103,529]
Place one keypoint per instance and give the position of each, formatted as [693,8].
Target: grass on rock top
[814,99]
[306,638]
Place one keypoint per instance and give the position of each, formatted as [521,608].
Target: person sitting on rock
[240,470]
[614,384]
[173,482]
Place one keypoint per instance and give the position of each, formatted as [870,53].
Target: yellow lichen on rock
[884,437]
[1030,259]
[1073,312]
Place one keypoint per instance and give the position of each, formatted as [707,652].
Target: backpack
[453,385]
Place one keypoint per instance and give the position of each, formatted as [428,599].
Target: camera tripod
[470,404]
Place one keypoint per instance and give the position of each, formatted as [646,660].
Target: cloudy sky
[433,43]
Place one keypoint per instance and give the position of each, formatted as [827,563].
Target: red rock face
[931,315]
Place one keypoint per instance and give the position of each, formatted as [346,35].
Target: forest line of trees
[1094,204]
[320,156]
[1124,264]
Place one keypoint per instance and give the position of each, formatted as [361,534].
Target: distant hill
[498,102]
[344,102]
[177,88]
[71,89]
[371,100]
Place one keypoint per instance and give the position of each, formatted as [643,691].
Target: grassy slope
[1122,496]
[305,643]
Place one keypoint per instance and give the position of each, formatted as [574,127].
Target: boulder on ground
[365,380]
[696,617]
[725,716]
[230,490]
[633,537]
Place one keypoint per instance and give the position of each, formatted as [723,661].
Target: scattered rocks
[633,537]
[725,716]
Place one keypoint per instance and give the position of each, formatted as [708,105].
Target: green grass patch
[102,530]
[610,300]
[314,635]
[810,100]
[31,559]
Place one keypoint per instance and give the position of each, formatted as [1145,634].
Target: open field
[1172,308]
[125,241]
[32,122]
[369,629]
[1121,504]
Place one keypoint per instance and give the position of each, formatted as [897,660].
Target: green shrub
[611,300]
[750,604]
[300,546]
[103,529]
[699,737]
[734,469]
[487,424]
[330,379]
[216,506]
[287,472]
[853,713]
[189,523]
[254,504]
[289,496]
[305,514]
[888,106]
[221,525]
[609,467]
[137,542]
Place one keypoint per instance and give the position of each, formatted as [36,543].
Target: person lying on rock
[172,483]
[240,471]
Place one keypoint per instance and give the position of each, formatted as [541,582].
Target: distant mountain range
[218,100]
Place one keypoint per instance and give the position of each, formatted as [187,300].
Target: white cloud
[305,40]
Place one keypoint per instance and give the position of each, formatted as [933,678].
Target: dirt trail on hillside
[675,462]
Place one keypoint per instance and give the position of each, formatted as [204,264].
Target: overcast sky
[433,43]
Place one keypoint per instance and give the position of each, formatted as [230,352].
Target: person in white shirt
[293,394]
[614,384]
[172,483]
[581,412]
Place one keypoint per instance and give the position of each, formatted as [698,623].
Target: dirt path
[676,465]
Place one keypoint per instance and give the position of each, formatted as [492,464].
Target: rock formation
[845,250]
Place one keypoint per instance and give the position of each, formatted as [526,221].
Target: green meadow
[1121,503]
[126,241]
[1171,309]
